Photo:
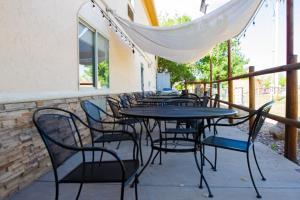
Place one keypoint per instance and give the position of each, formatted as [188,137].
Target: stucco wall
[39,48]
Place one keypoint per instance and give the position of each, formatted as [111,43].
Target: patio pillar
[291,132]
[251,94]
[229,74]
[185,87]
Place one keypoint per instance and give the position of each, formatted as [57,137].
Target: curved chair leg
[202,178]
[216,155]
[135,187]
[262,176]
[122,191]
[56,190]
[140,146]
[250,172]
[79,191]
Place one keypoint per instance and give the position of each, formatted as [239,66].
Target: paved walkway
[177,178]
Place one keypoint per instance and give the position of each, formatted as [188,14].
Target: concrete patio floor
[177,178]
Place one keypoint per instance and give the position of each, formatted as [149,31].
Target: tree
[220,62]
[282,80]
[178,72]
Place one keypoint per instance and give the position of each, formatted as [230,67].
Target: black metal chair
[115,107]
[241,145]
[124,101]
[94,115]
[60,131]
[214,105]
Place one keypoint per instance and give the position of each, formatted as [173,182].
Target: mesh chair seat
[106,171]
[113,138]
[226,143]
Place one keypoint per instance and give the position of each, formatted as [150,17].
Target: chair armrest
[85,149]
[133,137]
[243,120]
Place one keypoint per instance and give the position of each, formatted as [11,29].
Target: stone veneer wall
[23,157]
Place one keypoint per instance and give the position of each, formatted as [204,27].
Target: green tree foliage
[178,72]
[220,62]
[282,80]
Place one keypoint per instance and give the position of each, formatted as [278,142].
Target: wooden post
[291,132]
[210,76]
[251,94]
[218,91]
[204,87]
[185,87]
[229,74]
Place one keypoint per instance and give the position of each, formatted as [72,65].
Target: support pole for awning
[291,132]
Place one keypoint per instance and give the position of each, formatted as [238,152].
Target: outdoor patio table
[163,97]
[163,101]
[172,113]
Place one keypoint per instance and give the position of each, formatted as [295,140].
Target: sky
[259,42]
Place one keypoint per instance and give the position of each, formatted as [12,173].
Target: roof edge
[150,11]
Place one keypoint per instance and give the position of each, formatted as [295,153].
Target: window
[103,70]
[86,56]
[93,67]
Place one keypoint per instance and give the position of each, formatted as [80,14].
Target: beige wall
[39,48]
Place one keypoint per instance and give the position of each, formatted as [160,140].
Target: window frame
[95,38]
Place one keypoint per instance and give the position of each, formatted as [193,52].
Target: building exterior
[56,53]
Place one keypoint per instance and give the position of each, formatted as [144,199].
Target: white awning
[193,40]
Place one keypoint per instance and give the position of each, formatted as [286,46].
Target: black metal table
[163,101]
[173,113]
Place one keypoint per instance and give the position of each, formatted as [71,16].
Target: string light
[112,24]
[252,21]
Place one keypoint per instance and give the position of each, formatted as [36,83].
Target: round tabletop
[177,112]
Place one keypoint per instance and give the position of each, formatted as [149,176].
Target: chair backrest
[217,98]
[114,106]
[57,127]
[130,99]
[204,101]
[124,101]
[138,96]
[182,101]
[260,116]
[93,116]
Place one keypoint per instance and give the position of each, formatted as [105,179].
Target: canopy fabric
[191,41]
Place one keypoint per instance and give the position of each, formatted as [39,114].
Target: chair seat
[106,171]
[180,130]
[226,143]
[113,138]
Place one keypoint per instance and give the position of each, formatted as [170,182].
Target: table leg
[151,153]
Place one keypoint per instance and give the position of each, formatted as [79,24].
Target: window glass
[86,56]
[103,62]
